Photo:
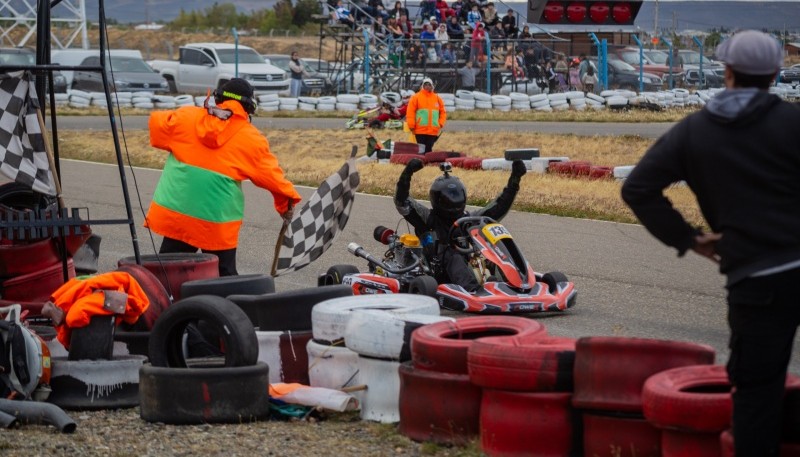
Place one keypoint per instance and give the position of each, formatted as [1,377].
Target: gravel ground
[122,433]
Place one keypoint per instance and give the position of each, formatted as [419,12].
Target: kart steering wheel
[458,237]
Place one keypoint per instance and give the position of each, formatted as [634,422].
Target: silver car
[125,74]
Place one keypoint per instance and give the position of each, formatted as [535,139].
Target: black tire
[287,310]
[254,284]
[553,278]
[336,273]
[212,315]
[21,197]
[173,88]
[136,342]
[94,341]
[423,285]
[207,395]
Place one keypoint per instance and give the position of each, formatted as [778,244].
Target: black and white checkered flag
[23,156]
[314,227]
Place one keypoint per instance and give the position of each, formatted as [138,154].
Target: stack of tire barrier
[335,366]
[269,102]
[692,406]
[31,268]
[609,375]
[438,402]
[174,269]
[204,366]
[527,384]
[283,326]
[575,168]
[449,101]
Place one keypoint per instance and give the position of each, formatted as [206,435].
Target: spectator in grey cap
[741,158]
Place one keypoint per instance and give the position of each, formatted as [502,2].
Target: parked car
[25,56]
[124,74]
[790,75]
[653,61]
[624,76]
[710,78]
[314,85]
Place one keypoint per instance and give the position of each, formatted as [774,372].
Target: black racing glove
[404,183]
[518,170]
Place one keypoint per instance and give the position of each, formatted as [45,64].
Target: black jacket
[740,156]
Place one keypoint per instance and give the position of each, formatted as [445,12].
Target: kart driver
[392,108]
[448,198]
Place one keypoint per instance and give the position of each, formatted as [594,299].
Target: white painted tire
[327,100]
[538,98]
[447,98]
[519,97]
[616,101]
[368,99]
[138,99]
[554,103]
[307,106]
[501,100]
[269,103]
[608,93]
[540,104]
[595,97]
[79,93]
[60,97]
[578,102]
[464,95]
[162,98]
[348,98]
[546,109]
[308,100]
[165,105]
[287,107]
[557,97]
[329,318]
[200,99]
[381,401]
[480,104]
[504,108]
[574,94]
[622,172]
[521,106]
[332,367]
[464,103]
[496,164]
[289,101]
[181,99]
[325,107]
[144,93]
[341,106]
[267,98]
[481,96]
[563,107]
[384,335]
[144,105]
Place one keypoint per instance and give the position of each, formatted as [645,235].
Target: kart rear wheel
[336,273]
[552,279]
[423,285]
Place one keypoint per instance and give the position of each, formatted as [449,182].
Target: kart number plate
[495,233]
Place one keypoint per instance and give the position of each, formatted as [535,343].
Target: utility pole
[655,23]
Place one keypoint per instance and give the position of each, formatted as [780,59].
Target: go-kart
[366,118]
[508,282]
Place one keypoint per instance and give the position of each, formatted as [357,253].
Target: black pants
[458,270]
[763,314]
[427,140]
[227,257]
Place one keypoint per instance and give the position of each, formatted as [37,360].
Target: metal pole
[702,76]
[366,61]
[235,52]
[641,63]
[488,63]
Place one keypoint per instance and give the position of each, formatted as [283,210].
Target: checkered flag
[314,227]
[23,156]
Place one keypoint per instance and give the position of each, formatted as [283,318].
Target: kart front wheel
[552,279]
[336,273]
[423,285]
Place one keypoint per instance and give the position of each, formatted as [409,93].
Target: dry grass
[309,156]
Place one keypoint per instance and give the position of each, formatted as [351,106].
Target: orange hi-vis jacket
[425,114]
[81,298]
[199,197]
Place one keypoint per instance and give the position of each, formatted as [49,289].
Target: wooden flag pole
[50,159]
[278,244]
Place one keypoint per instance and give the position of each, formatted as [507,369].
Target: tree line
[285,15]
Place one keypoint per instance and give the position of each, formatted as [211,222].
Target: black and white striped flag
[23,156]
[316,224]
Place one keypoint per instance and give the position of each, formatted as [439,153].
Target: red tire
[456,161]
[619,436]
[156,294]
[597,172]
[526,424]
[679,443]
[692,398]
[37,286]
[404,158]
[581,168]
[610,371]
[436,156]
[527,365]
[443,346]
[176,268]
[560,168]
[472,163]
[439,407]
[21,258]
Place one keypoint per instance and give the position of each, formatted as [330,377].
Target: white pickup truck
[204,66]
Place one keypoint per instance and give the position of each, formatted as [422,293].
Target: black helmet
[448,197]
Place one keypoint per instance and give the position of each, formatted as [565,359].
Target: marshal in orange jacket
[425,114]
[199,197]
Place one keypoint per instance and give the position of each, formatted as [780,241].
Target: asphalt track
[645,130]
[629,284]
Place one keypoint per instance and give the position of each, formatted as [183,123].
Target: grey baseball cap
[752,53]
